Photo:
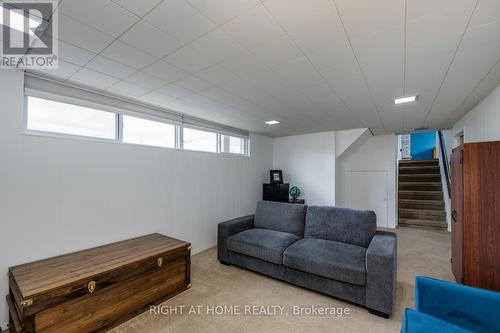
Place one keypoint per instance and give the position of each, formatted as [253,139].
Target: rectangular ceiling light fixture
[407,99]
[272,122]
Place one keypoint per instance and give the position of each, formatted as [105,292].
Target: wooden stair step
[426,169]
[419,162]
[420,186]
[425,224]
[421,177]
[421,204]
[421,195]
[420,214]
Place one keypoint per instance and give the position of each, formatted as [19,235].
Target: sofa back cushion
[341,224]
[281,216]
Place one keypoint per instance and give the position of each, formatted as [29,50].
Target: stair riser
[420,196]
[405,171]
[420,187]
[420,216]
[419,163]
[420,178]
[419,226]
[425,206]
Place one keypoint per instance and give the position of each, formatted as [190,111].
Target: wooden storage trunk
[99,288]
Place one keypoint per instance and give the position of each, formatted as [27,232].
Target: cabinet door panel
[457,213]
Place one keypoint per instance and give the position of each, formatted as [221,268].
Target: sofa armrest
[471,308]
[381,261]
[228,228]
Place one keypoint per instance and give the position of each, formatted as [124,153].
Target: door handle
[453,215]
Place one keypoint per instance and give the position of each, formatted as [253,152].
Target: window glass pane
[233,145]
[50,116]
[199,140]
[148,132]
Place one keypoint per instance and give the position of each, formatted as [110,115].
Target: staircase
[420,195]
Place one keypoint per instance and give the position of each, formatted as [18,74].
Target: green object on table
[295,192]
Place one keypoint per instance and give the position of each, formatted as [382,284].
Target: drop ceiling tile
[92,79]
[300,72]
[82,35]
[166,72]
[109,67]
[194,83]
[128,55]
[157,98]
[145,80]
[127,89]
[221,11]
[139,8]
[253,27]
[63,71]
[189,60]
[216,45]
[98,14]
[486,12]
[277,50]
[217,75]
[151,40]
[172,90]
[73,54]
[179,19]
[244,64]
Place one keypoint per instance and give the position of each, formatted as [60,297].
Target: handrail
[444,158]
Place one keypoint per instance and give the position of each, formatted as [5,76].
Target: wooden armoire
[475,217]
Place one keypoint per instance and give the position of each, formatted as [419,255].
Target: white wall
[362,172]
[482,123]
[308,161]
[62,195]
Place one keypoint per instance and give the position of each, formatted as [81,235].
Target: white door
[368,190]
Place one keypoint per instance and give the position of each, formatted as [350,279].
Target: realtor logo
[28,33]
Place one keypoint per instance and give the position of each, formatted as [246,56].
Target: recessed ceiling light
[272,122]
[407,99]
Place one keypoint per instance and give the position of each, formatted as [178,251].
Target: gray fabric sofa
[336,251]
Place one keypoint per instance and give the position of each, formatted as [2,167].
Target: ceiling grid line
[451,63]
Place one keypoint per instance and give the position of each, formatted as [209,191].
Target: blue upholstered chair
[444,307]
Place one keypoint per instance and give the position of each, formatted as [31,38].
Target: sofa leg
[380,314]
[224,263]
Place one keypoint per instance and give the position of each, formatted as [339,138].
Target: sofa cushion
[416,322]
[281,216]
[263,244]
[330,259]
[341,224]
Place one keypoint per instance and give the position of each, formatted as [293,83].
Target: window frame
[119,115]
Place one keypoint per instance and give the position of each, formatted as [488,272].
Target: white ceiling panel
[139,8]
[92,79]
[157,43]
[98,14]
[109,67]
[145,80]
[313,65]
[216,45]
[74,55]
[217,75]
[128,55]
[179,19]
[63,72]
[81,35]
[166,72]
[189,60]
[253,27]
[221,11]
[128,89]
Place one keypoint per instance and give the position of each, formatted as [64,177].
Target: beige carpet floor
[420,252]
